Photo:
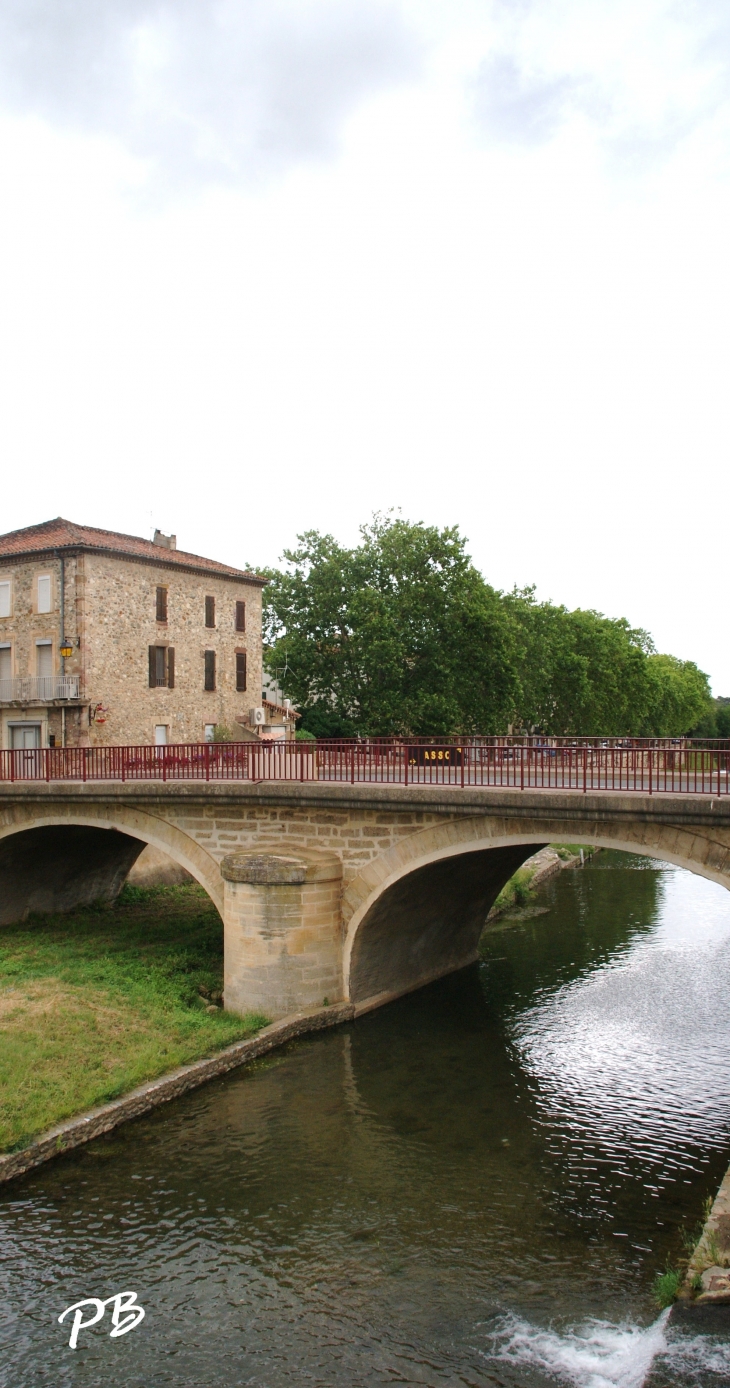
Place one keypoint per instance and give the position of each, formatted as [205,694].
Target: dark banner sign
[434,756]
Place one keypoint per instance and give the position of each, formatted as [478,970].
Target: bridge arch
[88,850]
[417,911]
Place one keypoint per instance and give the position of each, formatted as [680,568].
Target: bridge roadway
[329,889]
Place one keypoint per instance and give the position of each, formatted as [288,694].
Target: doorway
[24,736]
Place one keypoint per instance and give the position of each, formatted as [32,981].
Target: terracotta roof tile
[63,534]
[282,708]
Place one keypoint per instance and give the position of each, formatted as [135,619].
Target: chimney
[166,541]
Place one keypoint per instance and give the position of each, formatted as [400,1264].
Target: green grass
[516,892]
[666,1286]
[95,1002]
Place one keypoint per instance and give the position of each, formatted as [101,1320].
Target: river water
[474,1186]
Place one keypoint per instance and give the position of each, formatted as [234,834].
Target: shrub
[222,733]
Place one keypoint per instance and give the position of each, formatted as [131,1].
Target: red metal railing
[659,766]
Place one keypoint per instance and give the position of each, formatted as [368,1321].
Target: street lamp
[66,649]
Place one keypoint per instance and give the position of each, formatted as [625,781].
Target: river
[473,1186]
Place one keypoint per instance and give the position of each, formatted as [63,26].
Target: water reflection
[410,1199]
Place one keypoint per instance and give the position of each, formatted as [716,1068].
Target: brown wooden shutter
[240,671]
[162,604]
[240,616]
[210,612]
[171,667]
[210,669]
[153,667]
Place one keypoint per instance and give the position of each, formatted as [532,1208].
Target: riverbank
[100,1001]
[518,894]
[96,1002]
[707,1278]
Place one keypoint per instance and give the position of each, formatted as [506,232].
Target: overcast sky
[270,265]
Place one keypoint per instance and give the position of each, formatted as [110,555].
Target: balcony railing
[29,689]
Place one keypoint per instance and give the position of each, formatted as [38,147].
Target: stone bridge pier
[283,937]
[331,891]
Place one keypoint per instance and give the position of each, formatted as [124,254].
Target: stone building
[109,638]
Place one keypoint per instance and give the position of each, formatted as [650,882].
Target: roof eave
[76,546]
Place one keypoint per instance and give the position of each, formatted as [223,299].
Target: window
[162,667]
[240,616]
[6,665]
[161,738]
[210,612]
[209,670]
[162,604]
[44,658]
[44,593]
[4,599]
[209,732]
[240,671]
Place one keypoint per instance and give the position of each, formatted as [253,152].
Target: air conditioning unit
[257,717]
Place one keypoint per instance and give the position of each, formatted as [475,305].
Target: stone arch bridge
[331,891]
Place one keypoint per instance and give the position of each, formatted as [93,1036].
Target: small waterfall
[594,1355]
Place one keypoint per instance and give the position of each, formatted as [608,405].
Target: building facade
[112,639]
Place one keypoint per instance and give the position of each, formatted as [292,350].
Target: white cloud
[506,332]
[207,89]
[513,106]
[643,76]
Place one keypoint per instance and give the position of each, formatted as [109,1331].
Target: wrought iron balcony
[39,689]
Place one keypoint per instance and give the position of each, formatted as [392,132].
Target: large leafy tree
[400,634]
[580,672]
[679,697]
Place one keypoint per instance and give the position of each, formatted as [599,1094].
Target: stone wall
[26,625]
[110,618]
[156,869]
[58,867]
[120,625]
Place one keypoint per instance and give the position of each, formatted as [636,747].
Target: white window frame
[44,578]
[6,598]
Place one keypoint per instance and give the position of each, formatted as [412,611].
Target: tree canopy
[401,634]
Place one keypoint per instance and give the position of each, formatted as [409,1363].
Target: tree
[715,720]
[398,635]
[580,673]
[679,696]
[402,635]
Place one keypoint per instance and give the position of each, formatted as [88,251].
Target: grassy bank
[97,1001]
[519,892]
